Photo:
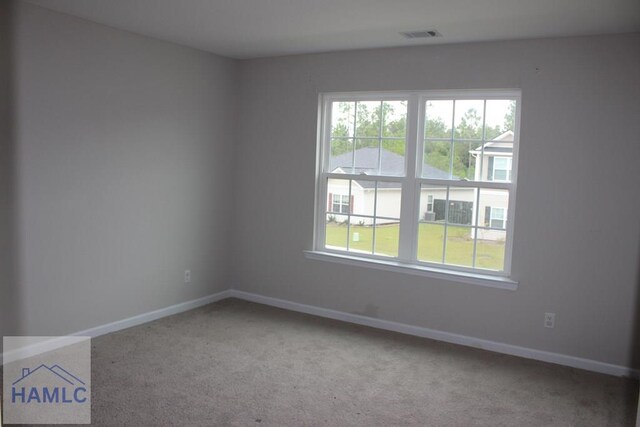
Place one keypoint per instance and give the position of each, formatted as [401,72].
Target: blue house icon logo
[48,384]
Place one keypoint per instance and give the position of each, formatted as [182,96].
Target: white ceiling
[256,28]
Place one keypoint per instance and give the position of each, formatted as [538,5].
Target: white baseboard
[528,353]
[514,350]
[57,342]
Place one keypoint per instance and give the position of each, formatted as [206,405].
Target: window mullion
[475,223]
[324,153]
[408,215]
[484,141]
[446,227]
[375,220]
[349,216]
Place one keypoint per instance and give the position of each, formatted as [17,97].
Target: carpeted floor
[239,363]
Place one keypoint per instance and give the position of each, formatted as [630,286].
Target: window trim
[412,181]
[390,264]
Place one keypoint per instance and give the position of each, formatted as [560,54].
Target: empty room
[320,213]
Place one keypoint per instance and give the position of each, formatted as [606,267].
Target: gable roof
[501,144]
[366,160]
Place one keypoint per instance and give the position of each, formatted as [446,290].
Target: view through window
[425,178]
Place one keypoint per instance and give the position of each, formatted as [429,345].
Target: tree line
[385,121]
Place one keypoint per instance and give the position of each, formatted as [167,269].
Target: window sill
[418,270]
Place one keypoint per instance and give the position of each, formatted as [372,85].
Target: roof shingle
[366,162]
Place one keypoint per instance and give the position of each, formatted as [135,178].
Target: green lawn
[489,254]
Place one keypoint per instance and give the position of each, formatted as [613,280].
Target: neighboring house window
[416,162]
[501,169]
[495,217]
[340,203]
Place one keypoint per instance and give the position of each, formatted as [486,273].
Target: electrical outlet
[187,276]
[549,320]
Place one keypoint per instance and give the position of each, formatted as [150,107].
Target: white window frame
[430,202]
[411,184]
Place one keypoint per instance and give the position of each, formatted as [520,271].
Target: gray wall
[9,291]
[126,161]
[576,225]
[124,149]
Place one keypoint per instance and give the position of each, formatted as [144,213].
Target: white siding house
[493,162]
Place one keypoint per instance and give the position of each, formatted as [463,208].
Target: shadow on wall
[10,291]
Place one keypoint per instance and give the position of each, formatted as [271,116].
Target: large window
[424,179]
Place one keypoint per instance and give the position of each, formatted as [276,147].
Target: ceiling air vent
[424,34]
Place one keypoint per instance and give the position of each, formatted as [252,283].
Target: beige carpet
[239,363]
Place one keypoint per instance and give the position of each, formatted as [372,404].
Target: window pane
[497,213]
[500,119]
[433,200]
[342,119]
[499,167]
[464,159]
[394,119]
[461,207]
[497,223]
[490,249]
[363,195]
[500,163]
[387,237]
[468,120]
[492,201]
[438,119]
[500,175]
[389,199]
[367,158]
[497,217]
[459,250]
[368,118]
[392,161]
[336,232]
[360,234]
[437,160]
[430,242]
[338,192]
[387,222]
[341,160]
